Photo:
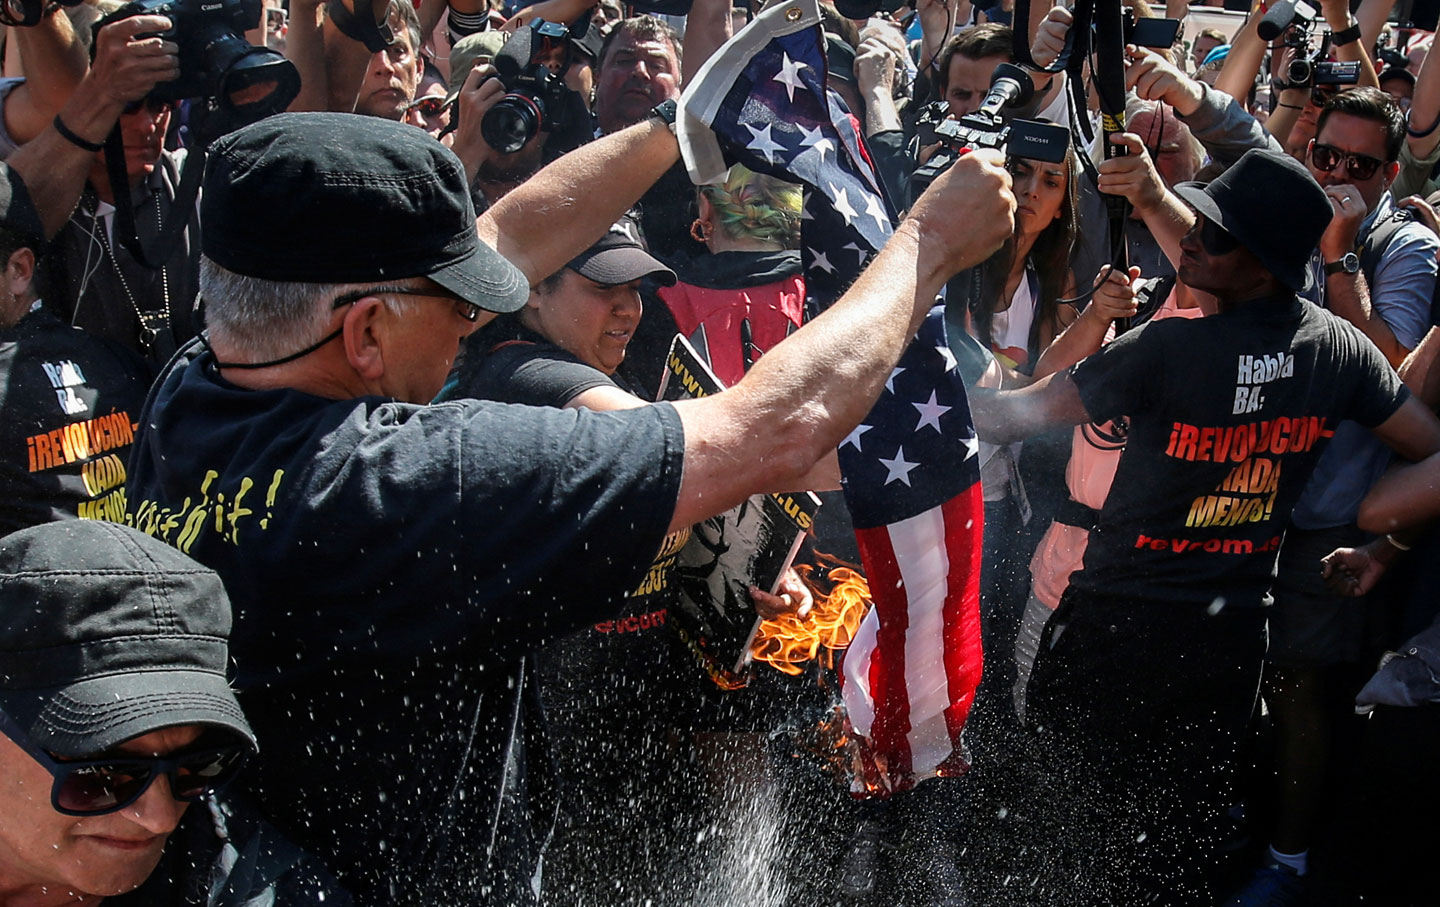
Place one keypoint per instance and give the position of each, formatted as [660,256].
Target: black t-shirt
[617,672]
[1228,415]
[68,407]
[390,565]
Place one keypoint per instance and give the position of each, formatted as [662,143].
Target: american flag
[912,482]
[761,101]
[911,469]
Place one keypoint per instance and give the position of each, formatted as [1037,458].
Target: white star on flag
[814,138]
[890,382]
[859,252]
[762,142]
[930,413]
[948,356]
[854,436]
[822,262]
[790,75]
[972,446]
[874,209]
[842,203]
[898,469]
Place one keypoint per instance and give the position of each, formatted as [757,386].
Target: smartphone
[1153,33]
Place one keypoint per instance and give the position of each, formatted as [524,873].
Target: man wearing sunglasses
[1146,676]
[115,719]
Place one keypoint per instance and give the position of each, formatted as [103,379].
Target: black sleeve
[532,374]
[1377,390]
[890,151]
[1121,377]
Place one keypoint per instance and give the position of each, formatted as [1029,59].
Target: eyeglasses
[469,310]
[1359,166]
[94,787]
[153,105]
[432,106]
[1215,239]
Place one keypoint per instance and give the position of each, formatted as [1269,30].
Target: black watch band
[666,111]
[1346,36]
[1349,263]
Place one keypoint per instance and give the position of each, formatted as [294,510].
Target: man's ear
[363,336]
[20,272]
[1392,170]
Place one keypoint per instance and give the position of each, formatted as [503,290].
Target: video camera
[536,98]
[1010,86]
[1294,23]
[237,82]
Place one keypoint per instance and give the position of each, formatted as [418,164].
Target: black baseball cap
[17,209]
[107,634]
[342,198]
[620,257]
[1272,205]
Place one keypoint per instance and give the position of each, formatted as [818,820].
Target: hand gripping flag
[761,100]
[911,470]
[912,482]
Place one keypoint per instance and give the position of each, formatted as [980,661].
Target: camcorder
[536,98]
[1294,22]
[235,82]
[1010,86]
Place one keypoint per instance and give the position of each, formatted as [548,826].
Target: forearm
[305,47]
[1337,17]
[54,169]
[707,27]
[1004,417]
[1083,337]
[1405,497]
[1418,370]
[55,62]
[1287,113]
[556,214]
[1348,296]
[1169,220]
[1220,124]
[1372,15]
[1242,63]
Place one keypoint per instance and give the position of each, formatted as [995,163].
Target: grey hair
[262,319]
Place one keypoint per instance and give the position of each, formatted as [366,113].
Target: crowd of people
[387,528]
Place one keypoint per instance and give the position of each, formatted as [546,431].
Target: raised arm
[557,213]
[1247,53]
[54,64]
[807,393]
[126,68]
[1407,495]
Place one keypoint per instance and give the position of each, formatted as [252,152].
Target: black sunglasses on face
[94,787]
[429,107]
[470,311]
[1359,166]
[1215,239]
[153,105]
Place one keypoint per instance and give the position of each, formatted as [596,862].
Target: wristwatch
[666,111]
[1349,263]
[1345,36]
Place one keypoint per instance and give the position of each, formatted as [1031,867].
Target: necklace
[151,323]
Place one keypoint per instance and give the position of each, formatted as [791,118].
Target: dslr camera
[1010,86]
[536,98]
[238,82]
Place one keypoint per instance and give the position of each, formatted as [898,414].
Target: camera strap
[155,254]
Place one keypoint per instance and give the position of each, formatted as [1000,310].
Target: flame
[789,642]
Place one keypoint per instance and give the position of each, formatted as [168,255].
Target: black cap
[620,257]
[1272,205]
[1397,72]
[107,634]
[341,198]
[17,210]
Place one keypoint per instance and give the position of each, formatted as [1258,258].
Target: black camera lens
[513,121]
[1300,73]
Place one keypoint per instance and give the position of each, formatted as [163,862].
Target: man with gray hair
[393,561]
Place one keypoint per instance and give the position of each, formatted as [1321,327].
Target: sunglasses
[1359,166]
[432,106]
[1215,239]
[469,311]
[153,105]
[94,787]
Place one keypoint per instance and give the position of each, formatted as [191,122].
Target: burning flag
[911,470]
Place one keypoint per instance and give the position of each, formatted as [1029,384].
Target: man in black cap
[115,717]
[392,562]
[1148,671]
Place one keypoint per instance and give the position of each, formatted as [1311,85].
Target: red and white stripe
[909,677]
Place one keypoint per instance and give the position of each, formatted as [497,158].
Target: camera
[1149,31]
[1010,86]
[536,98]
[1291,18]
[239,82]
